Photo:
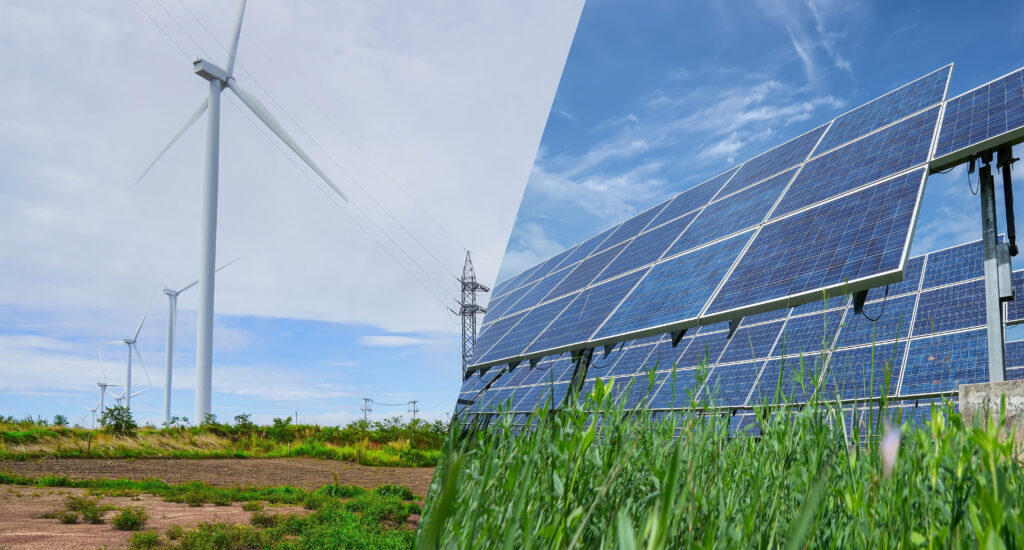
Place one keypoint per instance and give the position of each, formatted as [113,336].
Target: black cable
[594,365]
[970,185]
[885,301]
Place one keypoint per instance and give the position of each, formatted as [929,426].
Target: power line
[165,33]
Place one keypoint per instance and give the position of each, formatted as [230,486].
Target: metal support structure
[582,360]
[414,409]
[367,408]
[172,319]
[128,381]
[468,310]
[993,303]
[1005,162]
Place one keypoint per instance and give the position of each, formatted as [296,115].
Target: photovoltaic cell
[631,227]
[713,327]
[677,390]
[942,363]
[630,360]
[902,102]
[787,380]
[1015,360]
[578,322]
[1015,307]
[586,248]
[490,334]
[808,335]
[515,281]
[860,235]
[785,156]
[950,308]
[894,318]
[751,343]
[981,114]
[547,266]
[532,323]
[879,155]
[737,212]
[703,350]
[662,357]
[663,297]
[959,263]
[646,248]
[863,372]
[538,291]
[586,271]
[504,307]
[693,198]
[910,283]
[730,384]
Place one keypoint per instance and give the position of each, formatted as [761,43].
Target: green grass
[681,481]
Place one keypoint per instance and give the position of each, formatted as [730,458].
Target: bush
[252,506]
[60,420]
[175,532]
[282,431]
[67,516]
[263,519]
[144,541]
[341,491]
[130,518]
[374,508]
[394,490]
[117,420]
[243,422]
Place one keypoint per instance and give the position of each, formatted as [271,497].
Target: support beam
[993,307]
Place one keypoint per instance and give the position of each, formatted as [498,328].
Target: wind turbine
[121,397]
[93,411]
[172,322]
[220,78]
[103,391]
[130,343]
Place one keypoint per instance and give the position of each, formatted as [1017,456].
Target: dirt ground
[22,528]
[308,473]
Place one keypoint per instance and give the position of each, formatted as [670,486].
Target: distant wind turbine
[220,78]
[131,344]
[93,411]
[103,391]
[124,394]
[172,322]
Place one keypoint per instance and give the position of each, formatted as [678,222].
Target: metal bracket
[533,362]
[461,401]
[859,298]
[677,336]
[733,325]
[1005,272]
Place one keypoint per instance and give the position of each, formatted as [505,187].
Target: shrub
[144,541]
[252,506]
[175,532]
[60,420]
[67,516]
[117,420]
[282,431]
[375,508]
[243,422]
[263,519]
[130,518]
[341,491]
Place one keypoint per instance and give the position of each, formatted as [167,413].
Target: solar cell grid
[955,264]
[703,350]
[910,283]
[863,372]
[630,361]
[490,334]
[950,308]
[713,327]
[646,248]
[577,323]
[664,297]
[586,248]
[941,363]
[904,101]
[981,114]
[500,309]
[662,357]
[1015,360]
[829,246]
[808,335]
[732,214]
[677,390]
[785,156]
[642,389]
[586,271]
[693,198]
[523,332]
[1015,307]
[632,227]
[751,343]
[894,319]
[788,380]
[729,385]
[538,291]
[547,266]
[899,147]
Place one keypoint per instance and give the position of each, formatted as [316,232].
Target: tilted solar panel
[987,116]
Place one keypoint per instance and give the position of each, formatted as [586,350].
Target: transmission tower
[468,310]
[366,408]
[414,409]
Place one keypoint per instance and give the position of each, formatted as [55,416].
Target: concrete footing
[984,399]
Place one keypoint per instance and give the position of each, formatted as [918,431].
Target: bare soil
[308,473]
[22,527]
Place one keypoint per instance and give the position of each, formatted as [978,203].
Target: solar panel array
[928,337]
[989,115]
[737,244]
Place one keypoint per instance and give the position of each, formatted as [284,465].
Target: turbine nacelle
[210,71]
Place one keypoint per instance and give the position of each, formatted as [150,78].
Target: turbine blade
[263,114]
[188,124]
[153,268]
[196,282]
[139,355]
[143,320]
[112,342]
[140,392]
[234,38]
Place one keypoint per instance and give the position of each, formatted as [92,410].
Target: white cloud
[392,341]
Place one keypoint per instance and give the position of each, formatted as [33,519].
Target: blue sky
[658,96]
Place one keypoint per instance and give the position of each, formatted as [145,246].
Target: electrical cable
[880,313]
[971,185]
[165,33]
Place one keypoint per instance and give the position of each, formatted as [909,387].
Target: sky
[459,120]
[426,114]
[657,97]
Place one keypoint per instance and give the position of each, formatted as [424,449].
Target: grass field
[809,480]
[381,443]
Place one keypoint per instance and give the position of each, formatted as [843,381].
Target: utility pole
[414,410]
[468,310]
[366,408]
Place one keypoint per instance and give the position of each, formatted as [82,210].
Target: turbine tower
[130,343]
[103,392]
[468,310]
[219,79]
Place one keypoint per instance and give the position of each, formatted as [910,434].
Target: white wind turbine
[103,392]
[172,322]
[218,80]
[93,411]
[121,397]
[131,345]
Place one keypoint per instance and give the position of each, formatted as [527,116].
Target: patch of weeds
[414,508]
[375,508]
[341,491]
[221,499]
[146,540]
[224,535]
[194,499]
[252,506]
[130,518]
[175,532]
[66,516]
[394,490]
[264,520]
[316,501]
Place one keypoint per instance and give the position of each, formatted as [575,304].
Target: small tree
[60,420]
[281,431]
[176,422]
[117,420]
[209,419]
[243,422]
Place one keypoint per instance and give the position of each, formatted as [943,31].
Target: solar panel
[646,248]
[693,198]
[781,158]
[864,372]
[987,116]
[951,308]
[1015,308]
[729,385]
[1015,360]
[954,264]
[942,363]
